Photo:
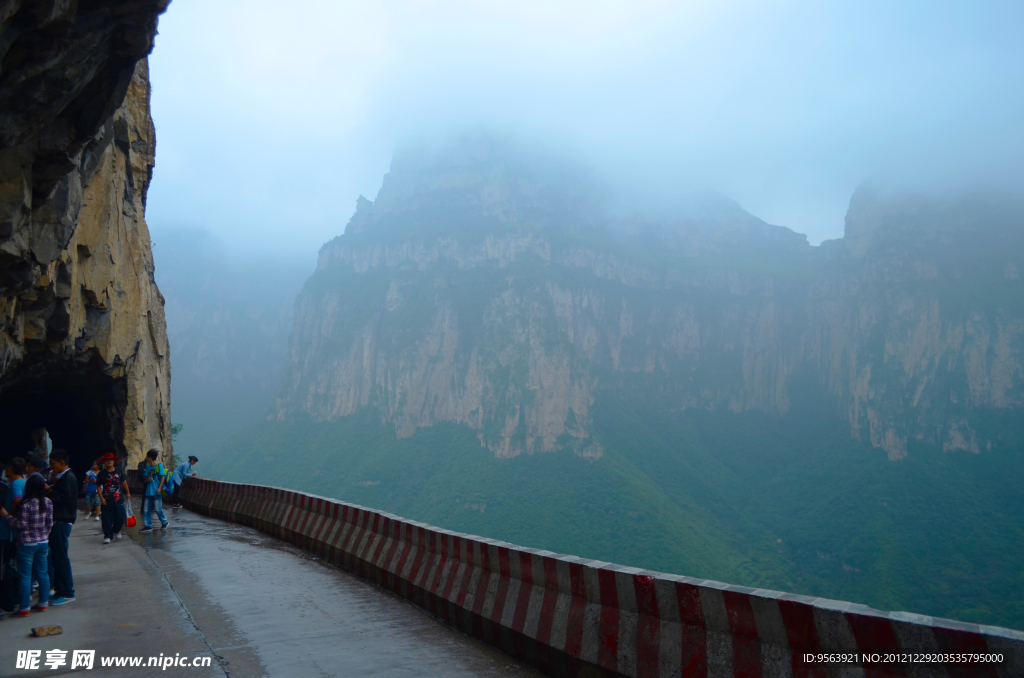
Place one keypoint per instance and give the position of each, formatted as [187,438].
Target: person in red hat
[113,485]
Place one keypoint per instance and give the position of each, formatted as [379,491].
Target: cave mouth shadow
[78,410]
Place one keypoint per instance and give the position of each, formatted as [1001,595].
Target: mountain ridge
[730,290]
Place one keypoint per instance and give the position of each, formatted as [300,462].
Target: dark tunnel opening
[76,410]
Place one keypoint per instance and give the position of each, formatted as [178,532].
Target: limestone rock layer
[83,342]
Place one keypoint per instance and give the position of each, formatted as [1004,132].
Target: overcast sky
[273,117]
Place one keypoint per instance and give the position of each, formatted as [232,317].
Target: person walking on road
[178,477]
[64,495]
[153,477]
[113,486]
[15,491]
[92,497]
[34,520]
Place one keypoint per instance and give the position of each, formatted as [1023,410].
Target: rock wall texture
[467,293]
[79,308]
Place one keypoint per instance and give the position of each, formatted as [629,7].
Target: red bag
[130,520]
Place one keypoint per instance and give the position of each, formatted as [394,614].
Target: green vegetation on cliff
[787,503]
[607,510]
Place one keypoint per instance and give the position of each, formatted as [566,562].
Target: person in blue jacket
[178,477]
[153,477]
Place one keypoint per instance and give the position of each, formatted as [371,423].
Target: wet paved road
[259,606]
[267,608]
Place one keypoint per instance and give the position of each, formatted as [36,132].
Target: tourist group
[40,498]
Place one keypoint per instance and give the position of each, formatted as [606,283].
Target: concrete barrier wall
[575,617]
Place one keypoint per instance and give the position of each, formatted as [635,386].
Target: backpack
[168,481]
[155,473]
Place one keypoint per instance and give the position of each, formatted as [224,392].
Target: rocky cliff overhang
[83,348]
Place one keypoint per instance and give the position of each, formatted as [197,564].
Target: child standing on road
[34,520]
[92,498]
[113,486]
[153,477]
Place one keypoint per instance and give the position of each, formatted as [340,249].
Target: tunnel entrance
[80,411]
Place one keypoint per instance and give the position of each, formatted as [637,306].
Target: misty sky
[272,118]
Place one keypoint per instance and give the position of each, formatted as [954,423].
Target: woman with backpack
[33,520]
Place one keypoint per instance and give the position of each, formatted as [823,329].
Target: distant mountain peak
[474,176]
[361,219]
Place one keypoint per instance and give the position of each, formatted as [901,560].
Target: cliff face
[474,291]
[918,321]
[83,344]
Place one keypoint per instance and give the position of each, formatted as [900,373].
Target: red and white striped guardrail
[574,617]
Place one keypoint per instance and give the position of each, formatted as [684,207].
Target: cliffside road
[272,609]
[260,606]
